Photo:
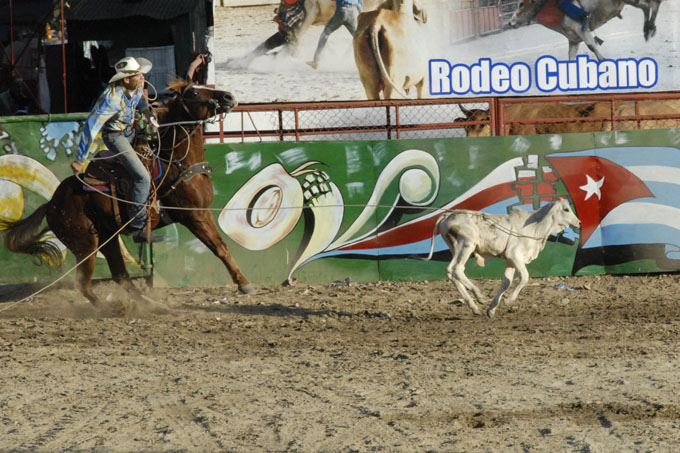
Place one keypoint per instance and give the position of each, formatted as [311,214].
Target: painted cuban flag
[628,200]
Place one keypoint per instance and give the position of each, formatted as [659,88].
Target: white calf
[518,238]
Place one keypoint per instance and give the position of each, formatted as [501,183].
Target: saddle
[106,174]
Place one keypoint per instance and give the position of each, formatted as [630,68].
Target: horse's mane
[177,85]
[161,105]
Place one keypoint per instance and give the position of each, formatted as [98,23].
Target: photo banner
[445,49]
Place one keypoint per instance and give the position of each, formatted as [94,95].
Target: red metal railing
[393,119]
[435,118]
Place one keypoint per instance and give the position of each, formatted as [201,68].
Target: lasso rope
[446,212]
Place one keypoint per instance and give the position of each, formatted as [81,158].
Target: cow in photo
[600,11]
[389,51]
[574,116]
[518,238]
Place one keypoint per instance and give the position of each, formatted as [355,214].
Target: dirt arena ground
[584,364]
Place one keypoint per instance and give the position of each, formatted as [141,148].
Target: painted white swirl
[415,186]
[417,175]
[17,172]
[327,208]
[29,174]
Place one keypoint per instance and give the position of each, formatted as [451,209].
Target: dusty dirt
[583,364]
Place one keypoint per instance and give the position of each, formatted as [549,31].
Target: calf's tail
[434,235]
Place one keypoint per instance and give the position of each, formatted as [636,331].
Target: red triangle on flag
[618,186]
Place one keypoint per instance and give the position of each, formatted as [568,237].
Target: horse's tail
[24,236]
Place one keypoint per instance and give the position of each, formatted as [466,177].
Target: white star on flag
[592,187]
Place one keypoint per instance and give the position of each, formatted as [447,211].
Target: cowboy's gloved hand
[77,167]
[150,116]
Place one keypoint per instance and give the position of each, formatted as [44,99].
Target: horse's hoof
[491,314]
[477,311]
[94,300]
[246,289]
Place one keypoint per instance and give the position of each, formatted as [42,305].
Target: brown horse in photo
[85,220]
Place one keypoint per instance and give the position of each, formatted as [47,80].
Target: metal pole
[11,32]
[63,56]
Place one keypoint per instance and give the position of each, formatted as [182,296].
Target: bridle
[185,102]
[211,103]
[187,172]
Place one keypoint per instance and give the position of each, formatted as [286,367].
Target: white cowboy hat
[129,66]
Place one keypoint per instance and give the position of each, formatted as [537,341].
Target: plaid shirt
[113,111]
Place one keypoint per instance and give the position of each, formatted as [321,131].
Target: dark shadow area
[15,292]
[283,311]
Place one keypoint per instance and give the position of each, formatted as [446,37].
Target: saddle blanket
[94,184]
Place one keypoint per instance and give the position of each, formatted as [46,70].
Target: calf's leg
[461,289]
[508,275]
[456,273]
[523,280]
[466,251]
[420,89]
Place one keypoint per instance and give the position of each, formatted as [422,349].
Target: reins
[196,122]
[184,172]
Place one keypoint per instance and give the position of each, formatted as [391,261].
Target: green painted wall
[324,211]
[35,153]
[356,167]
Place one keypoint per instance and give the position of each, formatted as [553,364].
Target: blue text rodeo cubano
[549,74]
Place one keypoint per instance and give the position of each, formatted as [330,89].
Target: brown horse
[86,220]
